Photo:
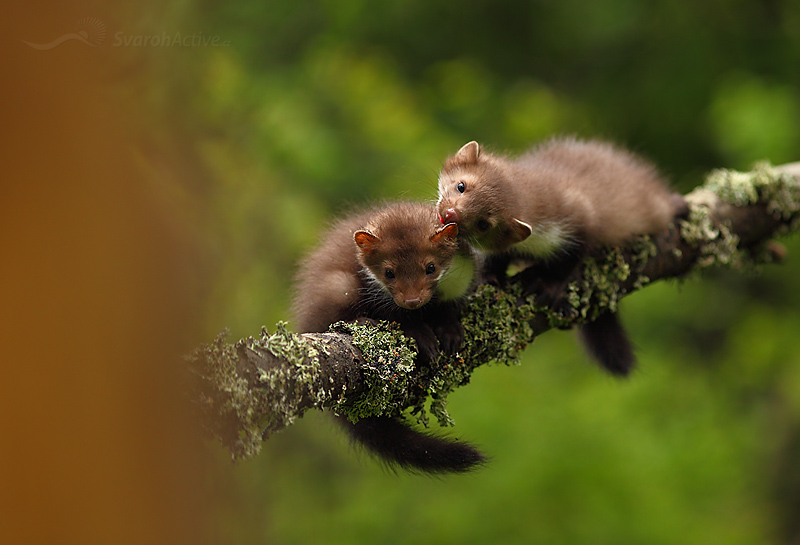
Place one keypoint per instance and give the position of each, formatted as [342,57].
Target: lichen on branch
[247,390]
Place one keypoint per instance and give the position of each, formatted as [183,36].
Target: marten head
[474,192]
[406,251]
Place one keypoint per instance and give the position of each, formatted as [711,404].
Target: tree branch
[247,390]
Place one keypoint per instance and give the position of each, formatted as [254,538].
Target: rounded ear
[366,241]
[468,153]
[449,232]
[520,230]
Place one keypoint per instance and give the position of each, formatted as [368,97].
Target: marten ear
[366,241]
[468,154]
[520,230]
[449,231]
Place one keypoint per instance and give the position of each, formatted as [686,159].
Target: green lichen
[642,250]
[496,329]
[764,184]
[279,390]
[736,188]
[719,245]
[600,285]
[389,361]
[780,192]
[271,401]
[495,319]
[284,344]
[224,397]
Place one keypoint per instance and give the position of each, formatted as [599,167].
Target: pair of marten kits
[412,263]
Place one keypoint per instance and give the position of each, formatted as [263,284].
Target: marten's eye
[482,225]
[389,273]
[430,269]
[461,187]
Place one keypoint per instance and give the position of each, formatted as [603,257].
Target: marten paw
[427,343]
[547,292]
[565,311]
[451,336]
[363,320]
[550,294]
[494,271]
[492,280]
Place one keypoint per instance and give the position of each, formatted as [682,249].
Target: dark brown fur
[555,203]
[595,193]
[342,281]
[384,264]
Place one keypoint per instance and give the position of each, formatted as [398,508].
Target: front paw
[451,336]
[494,270]
[364,320]
[494,278]
[427,344]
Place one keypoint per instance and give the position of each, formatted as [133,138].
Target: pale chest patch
[546,239]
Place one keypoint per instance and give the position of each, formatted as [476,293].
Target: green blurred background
[312,107]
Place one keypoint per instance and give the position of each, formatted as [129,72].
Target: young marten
[398,263]
[555,203]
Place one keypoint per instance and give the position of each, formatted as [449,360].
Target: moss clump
[242,413]
[720,246]
[224,398]
[288,346]
[496,329]
[764,184]
[497,326]
[736,188]
[642,250]
[279,390]
[389,362]
[599,288]
[779,191]
[602,279]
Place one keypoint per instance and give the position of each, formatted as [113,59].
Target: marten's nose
[411,304]
[450,216]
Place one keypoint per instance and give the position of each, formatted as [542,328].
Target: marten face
[460,201]
[407,258]
[410,278]
[474,194]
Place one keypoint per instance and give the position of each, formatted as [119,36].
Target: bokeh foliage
[317,106]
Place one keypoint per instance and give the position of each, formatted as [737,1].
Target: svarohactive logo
[89,30]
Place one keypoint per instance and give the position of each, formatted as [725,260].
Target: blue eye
[461,187]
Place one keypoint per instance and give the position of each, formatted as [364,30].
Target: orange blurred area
[164,166]
[95,447]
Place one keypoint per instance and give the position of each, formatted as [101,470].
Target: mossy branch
[247,390]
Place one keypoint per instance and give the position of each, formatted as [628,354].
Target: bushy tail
[606,341]
[400,445]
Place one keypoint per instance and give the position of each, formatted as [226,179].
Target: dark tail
[607,342]
[400,445]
